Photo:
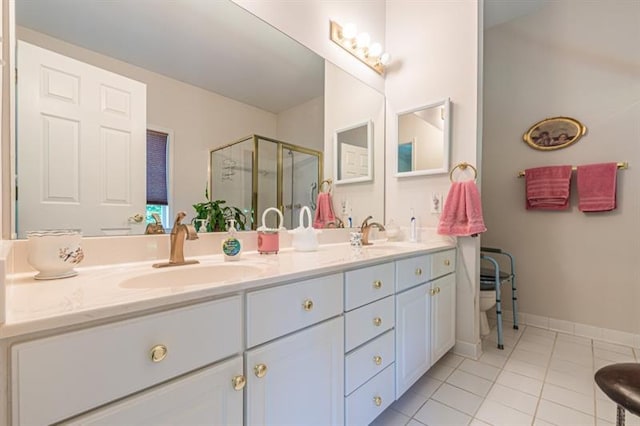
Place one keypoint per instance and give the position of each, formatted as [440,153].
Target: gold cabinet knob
[307,305]
[418,271]
[432,291]
[377,284]
[260,370]
[447,262]
[377,359]
[437,290]
[238,382]
[377,400]
[158,353]
[377,321]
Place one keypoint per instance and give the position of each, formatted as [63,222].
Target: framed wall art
[554,133]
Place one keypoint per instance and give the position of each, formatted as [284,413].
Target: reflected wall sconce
[359,45]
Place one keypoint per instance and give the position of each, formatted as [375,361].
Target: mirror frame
[336,147]
[446,141]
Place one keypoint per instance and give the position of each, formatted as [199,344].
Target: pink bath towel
[462,214]
[324,211]
[597,187]
[548,187]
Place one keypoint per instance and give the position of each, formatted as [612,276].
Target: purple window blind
[157,167]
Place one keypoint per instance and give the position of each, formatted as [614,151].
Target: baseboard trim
[574,328]
[469,350]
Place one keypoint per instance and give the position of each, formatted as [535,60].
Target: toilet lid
[487,285]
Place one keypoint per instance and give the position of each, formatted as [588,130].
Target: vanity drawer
[367,322]
[369,360]
[365,285]
[366,403]
[413,271]
[443,263]
[277,311]
[57,377]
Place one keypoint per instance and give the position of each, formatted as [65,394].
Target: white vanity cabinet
[212,396]
[369,342]
[299,378]
[425,314]
[56,378]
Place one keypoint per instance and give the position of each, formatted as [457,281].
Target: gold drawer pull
[432,291]
[260,370]
[437,290]
[447,262]
[377,359]
[418,271]
[238,382]
[377,400]
[377,284]
[158,353]
[377,321]
[307,305]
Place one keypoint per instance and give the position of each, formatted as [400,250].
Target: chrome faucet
[179,233]
[366,227]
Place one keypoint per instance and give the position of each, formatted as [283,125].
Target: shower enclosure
[257,172]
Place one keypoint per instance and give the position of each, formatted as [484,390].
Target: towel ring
[463,166]
[328,182]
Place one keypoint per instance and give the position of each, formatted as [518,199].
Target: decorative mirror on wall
[353,149]
[423,140]
[554,133]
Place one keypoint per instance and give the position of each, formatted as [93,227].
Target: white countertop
[95,293]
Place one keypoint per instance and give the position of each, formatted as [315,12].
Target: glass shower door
[300,176]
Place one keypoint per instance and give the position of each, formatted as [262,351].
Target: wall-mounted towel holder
[463,166]
[621,166]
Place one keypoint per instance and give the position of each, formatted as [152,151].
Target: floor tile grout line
[544,379]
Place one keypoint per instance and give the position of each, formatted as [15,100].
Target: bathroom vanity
[328,337]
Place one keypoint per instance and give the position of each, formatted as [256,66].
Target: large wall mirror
[102,73]
[353,150]
[423,140]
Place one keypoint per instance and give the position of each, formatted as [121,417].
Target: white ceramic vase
[54,253]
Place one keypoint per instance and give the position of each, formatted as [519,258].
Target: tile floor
[541,378]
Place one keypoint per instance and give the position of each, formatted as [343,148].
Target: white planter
[54,253]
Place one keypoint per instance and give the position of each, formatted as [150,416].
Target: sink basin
[180,276]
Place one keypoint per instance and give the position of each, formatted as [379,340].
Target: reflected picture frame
[554,133]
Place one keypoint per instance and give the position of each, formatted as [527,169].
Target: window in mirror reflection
[353,153]
[423,140]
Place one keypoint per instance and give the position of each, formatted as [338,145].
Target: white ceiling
[212,44]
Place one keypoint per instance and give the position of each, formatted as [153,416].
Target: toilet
[487,301]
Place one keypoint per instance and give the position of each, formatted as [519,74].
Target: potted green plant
[214,214]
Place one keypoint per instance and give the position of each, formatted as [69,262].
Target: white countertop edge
[117,309]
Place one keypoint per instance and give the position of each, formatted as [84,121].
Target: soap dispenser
[232,246]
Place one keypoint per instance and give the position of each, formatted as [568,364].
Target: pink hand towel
[597,187]
[462,214]
[324,211]
[548,187]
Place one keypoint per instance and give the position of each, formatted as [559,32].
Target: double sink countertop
[109,291]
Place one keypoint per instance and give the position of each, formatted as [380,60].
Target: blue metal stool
[492,278]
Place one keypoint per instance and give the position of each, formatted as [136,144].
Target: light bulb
[375,49]
[349,31]
[363,40]
[385,58]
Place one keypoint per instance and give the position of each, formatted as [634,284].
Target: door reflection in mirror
[423,140]
[353,153]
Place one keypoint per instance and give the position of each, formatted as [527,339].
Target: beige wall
[303,124]
[579,59]
[435,49]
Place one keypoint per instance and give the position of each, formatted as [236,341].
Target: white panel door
[354,161]
[443,316]
[413,341]
[207,397]
[81,154]
[302,379]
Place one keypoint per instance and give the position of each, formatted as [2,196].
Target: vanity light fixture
[359,45]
